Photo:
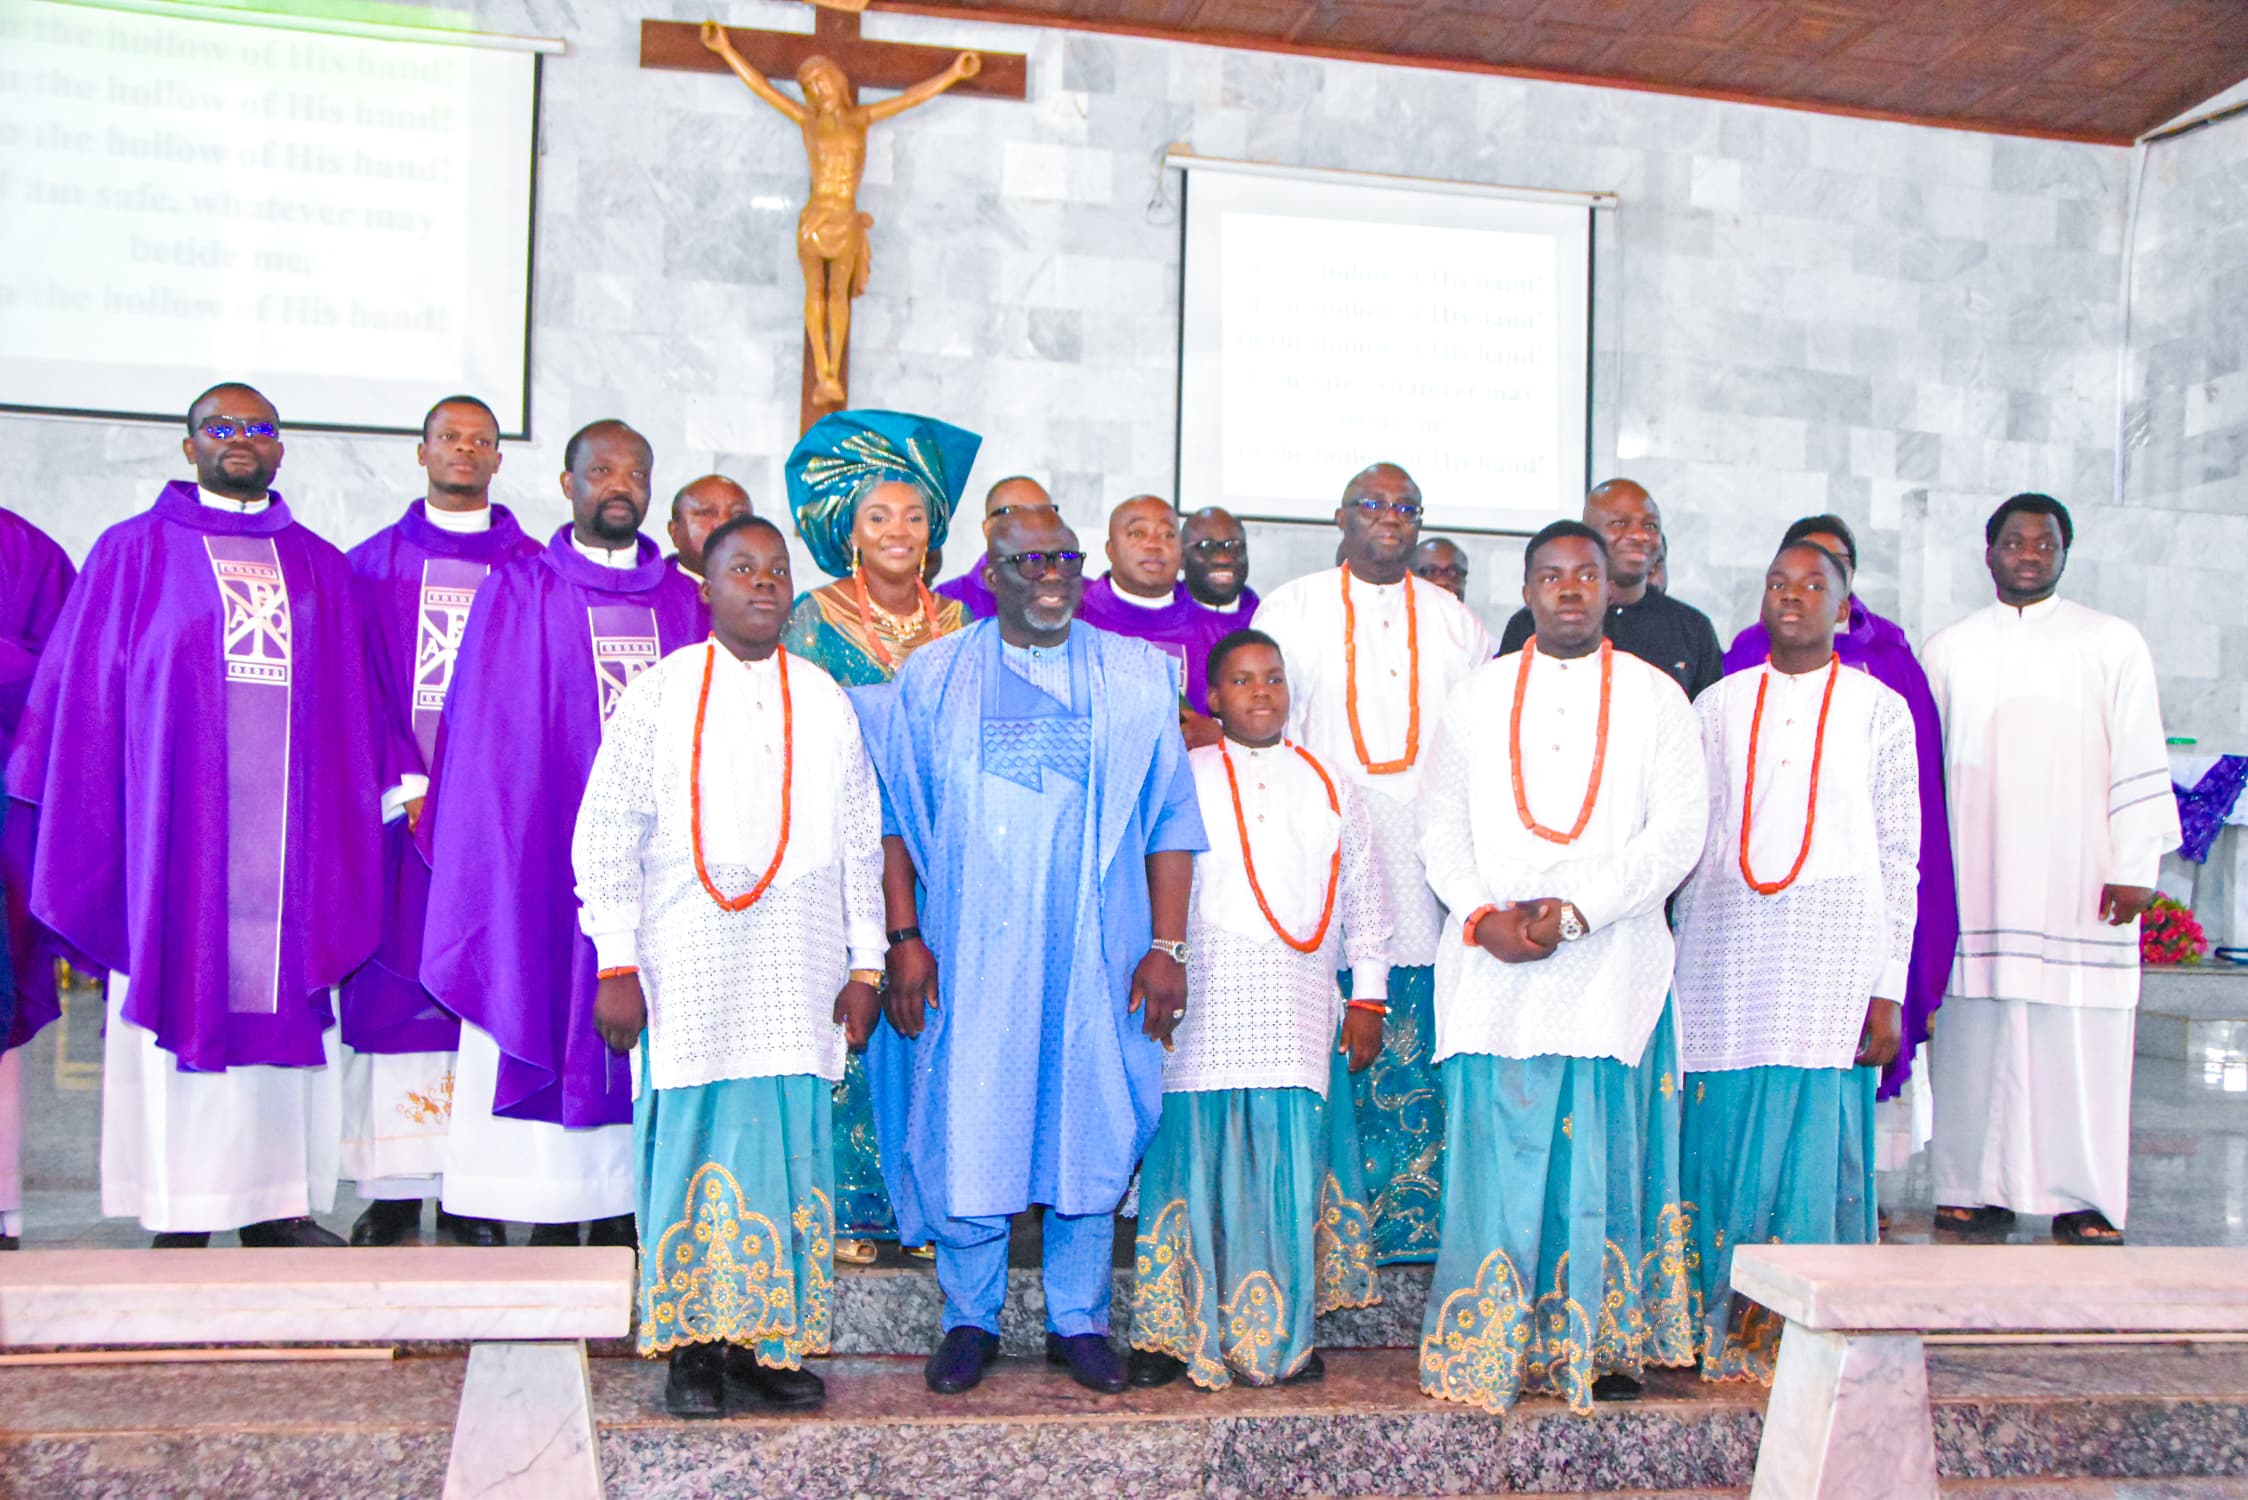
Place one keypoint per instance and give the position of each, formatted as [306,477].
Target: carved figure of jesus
[831,243]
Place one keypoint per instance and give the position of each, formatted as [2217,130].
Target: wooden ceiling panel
[2102,70]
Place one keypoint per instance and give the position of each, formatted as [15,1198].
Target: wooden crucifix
[830,65]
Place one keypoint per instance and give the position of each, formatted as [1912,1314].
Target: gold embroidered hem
[1750,1350]
[725,1273]
[1343,1251]
[1167,1297]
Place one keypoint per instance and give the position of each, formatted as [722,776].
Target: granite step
[2194,1012]
[2101,1423]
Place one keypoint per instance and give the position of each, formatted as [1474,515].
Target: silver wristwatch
[1572,925]
[1177,951]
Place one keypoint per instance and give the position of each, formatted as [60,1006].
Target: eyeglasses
[1404,510]
[1210,546]
[219,430]
[1033,565]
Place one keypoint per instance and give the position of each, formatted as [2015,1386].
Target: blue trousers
[1079,1271]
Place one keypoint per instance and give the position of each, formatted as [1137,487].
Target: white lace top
[1783,980]
[733,994]
[1259,1014]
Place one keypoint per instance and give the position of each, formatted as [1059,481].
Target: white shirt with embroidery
[1306,617]
[745,994]
[1783,980]
[1259,1013]
[1601,995]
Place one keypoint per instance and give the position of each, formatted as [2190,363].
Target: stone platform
[2194,1013]
[2106,1421]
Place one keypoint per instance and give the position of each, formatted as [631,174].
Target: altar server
[1795,941]
[197,769]
[542,1111]
[1563,804]
[1374,654]
[1253,1217]
[729,866]
[417,578]
[2061,811]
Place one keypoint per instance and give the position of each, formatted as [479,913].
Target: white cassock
[1601,995]
[745,994]
[1263,1014]
[11,1142]
[2059,780]
[187,1152]
[1306,617]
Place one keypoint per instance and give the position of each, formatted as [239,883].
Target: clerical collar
[621,558]
[1230,607]
[232,506]
[466,522]
[1136,601]
[686,572]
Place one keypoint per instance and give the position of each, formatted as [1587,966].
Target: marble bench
[1848,1416]
[525,1427]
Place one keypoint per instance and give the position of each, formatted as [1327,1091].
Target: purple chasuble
[416,583]
[35,577]
[972,592]
[550,646]
[1182,630]
[199,756]
[671,566]
[1879,647]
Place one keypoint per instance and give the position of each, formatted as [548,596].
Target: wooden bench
[526,1421]
[1849,1410]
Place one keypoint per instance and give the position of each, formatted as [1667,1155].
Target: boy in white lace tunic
[1253,1213]
[729,865]
[1795,940]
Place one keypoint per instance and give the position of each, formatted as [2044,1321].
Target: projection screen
[343,218]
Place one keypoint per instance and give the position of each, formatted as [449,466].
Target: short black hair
[1555,533]
[224,385]
[1833,526]
[733,526]
[577,440]
[2029,502]
[445,401]
[1805,544]
[1228,644]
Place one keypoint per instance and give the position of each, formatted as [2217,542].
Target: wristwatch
[1572,925]
[1177,951]
[905,935]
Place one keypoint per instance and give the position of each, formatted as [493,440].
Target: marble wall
[1798,312]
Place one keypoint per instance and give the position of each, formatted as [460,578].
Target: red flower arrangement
[2170,934]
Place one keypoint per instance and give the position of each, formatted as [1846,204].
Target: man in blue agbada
[1035,783]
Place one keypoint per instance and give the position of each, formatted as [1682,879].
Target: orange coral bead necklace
[1412,684]
[927,618]
[1811,803]
[788,785]
[1599,745]
[1249,860]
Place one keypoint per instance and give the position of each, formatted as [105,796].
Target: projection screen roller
[344,220]
[1329,321]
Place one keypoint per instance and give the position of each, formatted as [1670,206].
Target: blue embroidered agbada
[1030,821]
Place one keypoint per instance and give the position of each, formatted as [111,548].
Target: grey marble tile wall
[1797,312]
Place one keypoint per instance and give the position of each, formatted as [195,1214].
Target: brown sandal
[2086,1226]
[1987,1222]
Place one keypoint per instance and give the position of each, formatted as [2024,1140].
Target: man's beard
[617,527]
[250,486]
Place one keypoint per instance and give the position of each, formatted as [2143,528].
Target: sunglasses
[1033,565]
[219,430]
[1212,547]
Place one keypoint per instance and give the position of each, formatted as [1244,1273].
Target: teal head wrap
[847,453]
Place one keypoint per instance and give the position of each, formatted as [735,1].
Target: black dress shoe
[1310,1372]
[1615,1388]
[617,1231]
[548,1235]
[480,1232]
[10,1242]
[1147,1369]
[746,1379]
[960,1361]
[387,1221]
[696,1387]
[1091,1361]
[190,1239]
[288,1234]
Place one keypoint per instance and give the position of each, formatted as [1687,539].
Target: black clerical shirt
[1658,630]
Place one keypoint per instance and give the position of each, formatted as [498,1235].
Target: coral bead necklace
[694,785]
[903,627]
[1249,860]
[1811,803]
[1412,684]
[1599,745]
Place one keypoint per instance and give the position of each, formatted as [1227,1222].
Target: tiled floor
[2189,1166]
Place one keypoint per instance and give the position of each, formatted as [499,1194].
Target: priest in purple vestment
[1141,597]
[198,770]
[701,507]
[417,578]
[1214,558]
[1879,647]
[35,575]
[973,590]
[542,1111]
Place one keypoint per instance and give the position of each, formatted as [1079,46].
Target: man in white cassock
[1373,655]
[2061,811]
[729,868]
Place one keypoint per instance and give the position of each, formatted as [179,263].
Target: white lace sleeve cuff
[1369,981]
[1891,984]
[616,950]
[409,789]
